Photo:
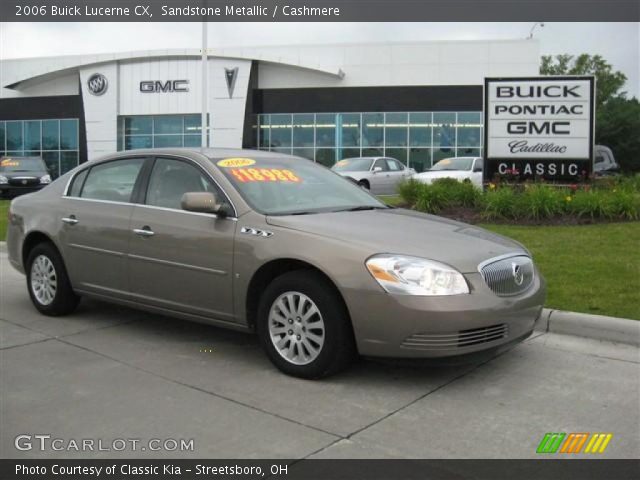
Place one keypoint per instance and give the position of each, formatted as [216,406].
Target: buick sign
[539,128]
[97,84]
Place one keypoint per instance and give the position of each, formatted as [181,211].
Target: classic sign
[539,127]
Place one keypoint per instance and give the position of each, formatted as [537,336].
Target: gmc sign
[158,86]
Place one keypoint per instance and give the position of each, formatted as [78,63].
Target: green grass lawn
[4,208]
[589,268]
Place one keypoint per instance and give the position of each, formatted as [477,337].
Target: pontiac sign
[539,128]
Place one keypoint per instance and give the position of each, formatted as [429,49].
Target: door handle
[144,231]
[70,220]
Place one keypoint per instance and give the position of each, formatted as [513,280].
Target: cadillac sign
[539,128]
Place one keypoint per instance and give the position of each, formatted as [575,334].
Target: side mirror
[377,169]
[202,202]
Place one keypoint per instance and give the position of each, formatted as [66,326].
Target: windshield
[274,186]
[453,164]
[353,165]
[31,164]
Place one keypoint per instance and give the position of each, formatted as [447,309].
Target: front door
[178,260]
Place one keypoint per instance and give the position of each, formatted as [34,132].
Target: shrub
[409,191]
[594,204]
[625,204]
[500,204]
[459,194]
[432,198]
[539,202]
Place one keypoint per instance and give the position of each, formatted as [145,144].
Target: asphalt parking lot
[108,372]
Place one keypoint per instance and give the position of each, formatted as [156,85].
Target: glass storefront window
[372,129]
[420,129]
[303,130]
[138,125]
[192,140]
[2,137]
[51,134]
[138,141]
[444,130]
[350,129]
[168,124]
[52,159]
[420,159]
[68,134]
[32,135]
[193,125]
[396,129]
[418,139]
[68,161]
[166,141]
[14,136]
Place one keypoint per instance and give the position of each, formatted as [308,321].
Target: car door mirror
[377,169]
[202,202]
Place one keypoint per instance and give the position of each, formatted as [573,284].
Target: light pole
[205,77]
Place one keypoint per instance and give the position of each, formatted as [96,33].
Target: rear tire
[48,283]
[304,327]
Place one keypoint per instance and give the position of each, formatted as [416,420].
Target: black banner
[318,10]
[320,469]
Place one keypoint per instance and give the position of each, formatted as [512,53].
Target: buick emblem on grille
[97,84]
[24,182]
[518,276]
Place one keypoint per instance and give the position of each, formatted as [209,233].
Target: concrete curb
[599,327]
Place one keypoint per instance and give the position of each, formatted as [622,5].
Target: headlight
[3,180]
[415,276]
[45,179]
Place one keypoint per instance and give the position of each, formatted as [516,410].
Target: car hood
[406,232]
[442,174]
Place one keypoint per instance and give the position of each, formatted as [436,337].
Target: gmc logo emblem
[157,86]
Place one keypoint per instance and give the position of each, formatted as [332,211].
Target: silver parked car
[380,175]
[264,242]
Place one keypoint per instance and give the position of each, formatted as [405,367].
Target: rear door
[397,173]
[178,260]
[95,225]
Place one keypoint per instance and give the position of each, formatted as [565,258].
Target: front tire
[364,184]
[48,282]
[304,327]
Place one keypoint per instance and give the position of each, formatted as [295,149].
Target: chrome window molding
[65,193]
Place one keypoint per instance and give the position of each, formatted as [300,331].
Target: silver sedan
[380,175]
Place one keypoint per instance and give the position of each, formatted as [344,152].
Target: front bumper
[407,326]
[7,190]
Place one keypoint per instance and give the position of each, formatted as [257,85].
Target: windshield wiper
[360,208]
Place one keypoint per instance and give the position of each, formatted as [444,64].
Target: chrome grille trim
[499,274]
[461,339]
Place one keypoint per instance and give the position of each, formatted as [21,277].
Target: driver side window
[171,178]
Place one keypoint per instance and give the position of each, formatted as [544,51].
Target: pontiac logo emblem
[230,75]
[518,276]
[97,84]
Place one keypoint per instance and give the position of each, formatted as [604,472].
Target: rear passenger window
[76,186]
[112,181]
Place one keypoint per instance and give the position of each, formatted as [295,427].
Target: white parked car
[380,175]
[464,169]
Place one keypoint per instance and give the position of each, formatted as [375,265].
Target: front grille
[461,339]
[508,276]
[24,181]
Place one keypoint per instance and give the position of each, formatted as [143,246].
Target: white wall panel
[101,112]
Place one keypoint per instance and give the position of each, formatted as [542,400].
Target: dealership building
[418,102]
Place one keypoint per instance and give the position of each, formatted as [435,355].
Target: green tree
[608,81]
[618,126]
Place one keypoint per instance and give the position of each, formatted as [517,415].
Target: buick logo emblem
[97,84]
[518,276]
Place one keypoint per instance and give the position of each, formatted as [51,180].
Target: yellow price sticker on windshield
[236,162]
[8,162]
[264,175]
[342,163]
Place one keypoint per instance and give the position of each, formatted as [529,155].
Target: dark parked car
[20,175]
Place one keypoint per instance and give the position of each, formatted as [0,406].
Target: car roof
[211,153]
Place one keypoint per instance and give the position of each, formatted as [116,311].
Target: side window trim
[202,171]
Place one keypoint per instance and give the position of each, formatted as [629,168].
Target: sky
[618,43]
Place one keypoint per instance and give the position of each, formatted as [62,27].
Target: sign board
[539,128]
